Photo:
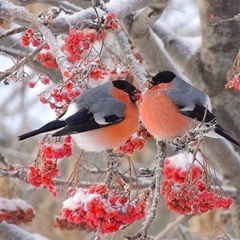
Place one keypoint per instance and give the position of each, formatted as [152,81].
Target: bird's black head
[128,88]
[162,77]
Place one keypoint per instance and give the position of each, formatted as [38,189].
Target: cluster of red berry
[111,21]
[99,206]
[15,211]
[61,96]
[45,56]
[136,141]
[75,44]
[99,70]
[47,59]
[235,82]
[43,78]
[48,169]
[133,143]
[178,173]
[192,198]
[30,37]
[186,191]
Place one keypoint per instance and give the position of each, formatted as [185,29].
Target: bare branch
[170,227]
[161,155]
[156,184]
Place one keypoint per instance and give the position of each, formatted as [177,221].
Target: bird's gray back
[101,103]
[185,95]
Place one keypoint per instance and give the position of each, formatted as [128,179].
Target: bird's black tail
[219,130]
[56,124]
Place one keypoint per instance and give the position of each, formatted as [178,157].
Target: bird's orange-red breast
[160,115]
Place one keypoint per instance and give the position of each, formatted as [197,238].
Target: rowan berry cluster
[15,211]
[61,96]
[133,143]
[30,37]
[47,59]
[136,141]
[111,21]
[234,82]
[192,198]
[186,191]
[46,168]
[44,79]
[75,44]
[178,173]
[98,206]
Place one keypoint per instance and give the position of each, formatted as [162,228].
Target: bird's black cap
[128,88]
[163,77]
[124,85]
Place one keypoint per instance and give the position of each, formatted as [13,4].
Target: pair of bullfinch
[104,117]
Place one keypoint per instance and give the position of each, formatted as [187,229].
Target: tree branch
[11,231]
[15,67]
[179,48]
[170,227]
[130,59]
[16,12]
[147,43]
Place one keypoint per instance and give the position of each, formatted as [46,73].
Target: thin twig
[235,18]
[12,32]
[20,63]
[112,163]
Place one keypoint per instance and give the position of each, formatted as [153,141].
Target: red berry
[30,32]
[46,46]
[31,83]
[25,40]
[35,42]
[43,100]
[45,80]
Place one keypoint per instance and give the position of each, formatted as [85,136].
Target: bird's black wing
[83,121]
[56,124]
[201,113]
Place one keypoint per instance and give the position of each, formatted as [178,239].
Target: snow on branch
[121,8]
[131,60]
[10,231]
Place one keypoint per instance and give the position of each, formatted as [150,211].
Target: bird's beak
[149,84]
[136,96]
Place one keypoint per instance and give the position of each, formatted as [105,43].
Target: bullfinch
[171,107]
[101,118]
